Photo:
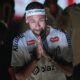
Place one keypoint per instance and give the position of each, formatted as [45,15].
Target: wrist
[35,57]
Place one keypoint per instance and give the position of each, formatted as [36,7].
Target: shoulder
[20,40]
[17,38]
[16,41]
[56,35]
[56,31]
[21,36]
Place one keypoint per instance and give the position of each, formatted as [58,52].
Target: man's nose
[37,25]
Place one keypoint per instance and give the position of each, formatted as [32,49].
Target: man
[33,51]
[74,14]
[53,12]
[71,20]
[4,51]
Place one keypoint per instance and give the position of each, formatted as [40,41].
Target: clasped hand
[40,50]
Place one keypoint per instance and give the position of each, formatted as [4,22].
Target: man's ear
[26,19]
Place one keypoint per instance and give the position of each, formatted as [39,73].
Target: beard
[38,32]
[41,33]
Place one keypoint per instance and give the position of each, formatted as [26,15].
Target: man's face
[53,8]
[37,23]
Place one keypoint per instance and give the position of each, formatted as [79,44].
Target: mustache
[39,30]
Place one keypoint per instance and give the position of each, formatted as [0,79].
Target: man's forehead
[32,12]
[36,16]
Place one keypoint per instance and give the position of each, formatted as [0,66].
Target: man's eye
[31,21]
[42,20]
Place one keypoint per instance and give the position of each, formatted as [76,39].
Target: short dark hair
[49,2]
[34,5]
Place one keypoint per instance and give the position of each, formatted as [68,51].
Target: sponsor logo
[15,42]
[43,69]
[54,39]
[68,36]
[31,42]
